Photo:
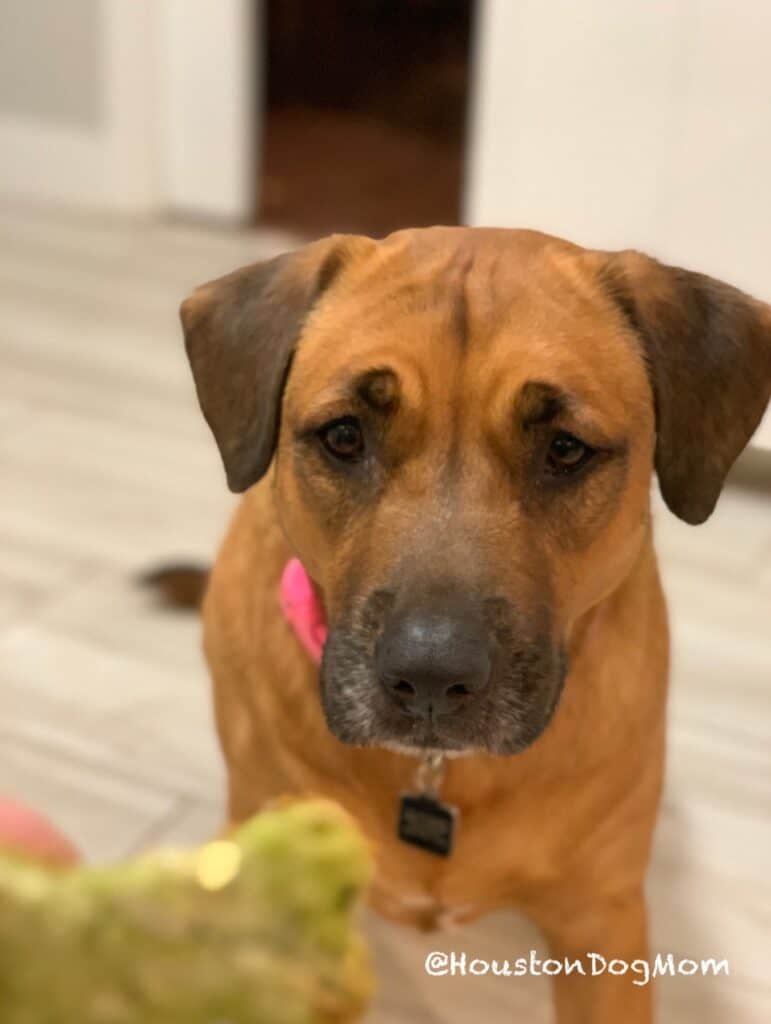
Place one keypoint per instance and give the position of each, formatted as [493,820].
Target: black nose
[432,663]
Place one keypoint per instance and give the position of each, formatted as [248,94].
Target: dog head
[463,424]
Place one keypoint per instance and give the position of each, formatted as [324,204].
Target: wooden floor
[106,467]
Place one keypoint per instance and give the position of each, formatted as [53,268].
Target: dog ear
[708,351]
[240,334]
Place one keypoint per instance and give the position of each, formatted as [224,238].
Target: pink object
[302,608]
[26,831]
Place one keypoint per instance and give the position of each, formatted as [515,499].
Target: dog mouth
[426,737]
[521,701]
[498,729]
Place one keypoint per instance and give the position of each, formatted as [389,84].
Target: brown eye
[567,454]
[343,439]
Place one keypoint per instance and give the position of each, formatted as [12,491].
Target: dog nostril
[458,690]
[402,686]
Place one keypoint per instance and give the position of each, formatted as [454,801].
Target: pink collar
[302,608]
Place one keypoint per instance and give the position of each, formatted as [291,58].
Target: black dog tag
[425,822]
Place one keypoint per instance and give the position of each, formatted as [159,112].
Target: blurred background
[148,145]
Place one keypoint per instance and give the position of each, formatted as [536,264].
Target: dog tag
[426,822]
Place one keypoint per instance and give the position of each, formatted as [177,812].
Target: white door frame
[208,117]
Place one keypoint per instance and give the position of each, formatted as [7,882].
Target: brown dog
[462,425]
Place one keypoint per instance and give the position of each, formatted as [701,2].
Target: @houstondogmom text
[439,965]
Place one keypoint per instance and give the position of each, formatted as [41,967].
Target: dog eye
[343,439]
[567,454]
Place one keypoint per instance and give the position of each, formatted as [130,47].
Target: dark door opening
[365,114]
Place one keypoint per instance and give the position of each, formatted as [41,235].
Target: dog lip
[430,715]
[427,738]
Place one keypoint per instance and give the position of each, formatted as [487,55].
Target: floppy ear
[708,350]
[240,334]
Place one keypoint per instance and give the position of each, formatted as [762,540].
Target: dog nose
[432,664]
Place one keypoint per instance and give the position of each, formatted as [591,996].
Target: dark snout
[444,667]
[432,658]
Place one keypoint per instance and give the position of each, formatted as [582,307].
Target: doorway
[364,115]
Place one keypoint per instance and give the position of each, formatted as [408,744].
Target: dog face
[465,423]
[466,431]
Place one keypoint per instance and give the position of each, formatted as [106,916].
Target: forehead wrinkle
[456,408]
[451,305]
[492,293]
[416,285]
[424,280]
[527,291]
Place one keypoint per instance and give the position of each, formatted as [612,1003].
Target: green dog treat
[255,929]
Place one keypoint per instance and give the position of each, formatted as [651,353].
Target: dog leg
[614,930]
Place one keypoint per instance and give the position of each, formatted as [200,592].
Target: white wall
[76,103]
[136,106]
[49,60]
[629,123]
